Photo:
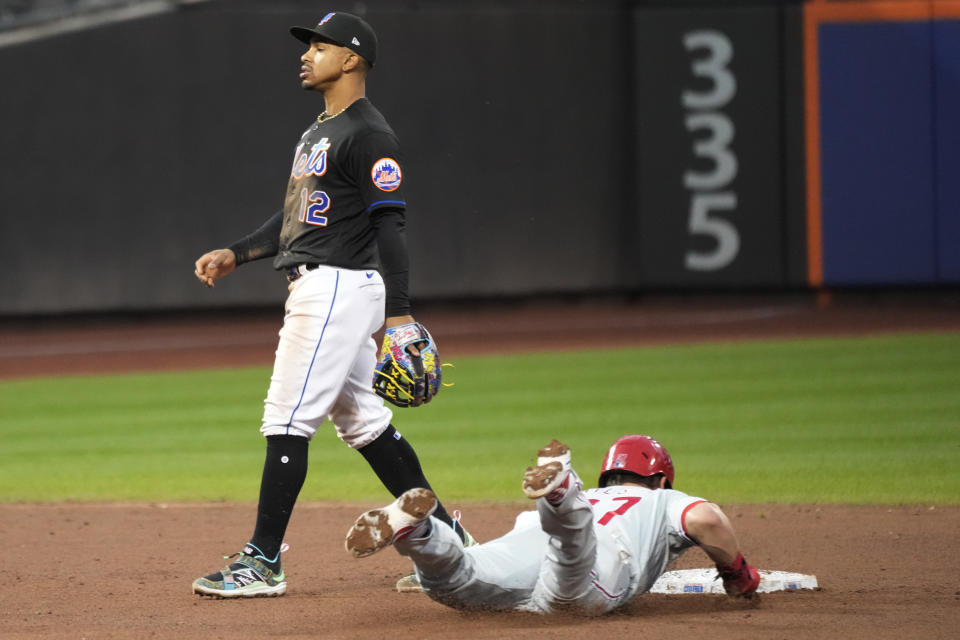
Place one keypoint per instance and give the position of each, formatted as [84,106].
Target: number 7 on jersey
[628,501]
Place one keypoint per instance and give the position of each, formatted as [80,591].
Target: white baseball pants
[326,357]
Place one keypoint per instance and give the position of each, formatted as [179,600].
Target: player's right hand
[213,265]
[740,578]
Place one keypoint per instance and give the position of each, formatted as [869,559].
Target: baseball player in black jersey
[340,240]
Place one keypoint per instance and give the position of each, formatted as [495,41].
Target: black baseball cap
[345,30]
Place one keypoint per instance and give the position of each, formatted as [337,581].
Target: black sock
[284,471]
[396,464]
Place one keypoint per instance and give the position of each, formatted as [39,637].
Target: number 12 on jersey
[628,501]
[312,205]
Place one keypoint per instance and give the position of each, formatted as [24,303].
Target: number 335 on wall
[710,194]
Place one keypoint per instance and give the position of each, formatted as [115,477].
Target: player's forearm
[709,527]
[394,261]
[262,243]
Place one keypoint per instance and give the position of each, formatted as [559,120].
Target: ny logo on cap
[327,17]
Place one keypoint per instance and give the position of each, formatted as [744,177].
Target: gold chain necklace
[324,117]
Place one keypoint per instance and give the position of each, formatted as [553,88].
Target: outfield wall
[552,146]
[883,129]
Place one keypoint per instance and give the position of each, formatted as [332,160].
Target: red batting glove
[739,578]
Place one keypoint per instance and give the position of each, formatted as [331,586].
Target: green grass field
[871,420]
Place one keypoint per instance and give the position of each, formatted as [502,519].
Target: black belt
[294,272]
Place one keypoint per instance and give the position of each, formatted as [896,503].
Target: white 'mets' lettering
[313,163]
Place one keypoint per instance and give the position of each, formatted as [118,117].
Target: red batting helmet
[641,455]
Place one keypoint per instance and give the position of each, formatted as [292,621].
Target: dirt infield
[124,570]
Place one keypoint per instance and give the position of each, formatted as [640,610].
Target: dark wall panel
[709,148]
[141,145]
[513,134]
[793,156]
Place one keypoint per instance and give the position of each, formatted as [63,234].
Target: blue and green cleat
[246,577]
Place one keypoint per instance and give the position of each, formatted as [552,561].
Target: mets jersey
[345,169]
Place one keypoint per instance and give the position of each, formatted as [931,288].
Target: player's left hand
[408,372]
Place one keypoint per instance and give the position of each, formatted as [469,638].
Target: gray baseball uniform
[593,552]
